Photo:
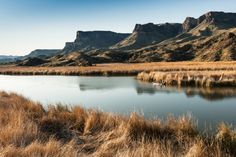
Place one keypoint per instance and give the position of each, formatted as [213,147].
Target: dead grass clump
[137,127]
[17,129]
[97,122]
[182,126]
[197,150]
[227,137]
[52,148]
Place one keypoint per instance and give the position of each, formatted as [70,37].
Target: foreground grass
[191,78]
[27,129]
[120,69]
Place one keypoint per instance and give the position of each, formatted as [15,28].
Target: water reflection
[103,83]
[214,94]
[124,95]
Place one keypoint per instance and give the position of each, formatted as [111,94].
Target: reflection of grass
[27,129]
[120,69]
[192,78]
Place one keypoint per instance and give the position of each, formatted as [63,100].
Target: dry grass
[27,129]
[120,69]
[191,78]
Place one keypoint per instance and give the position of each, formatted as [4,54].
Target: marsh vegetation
[28,129]
[120,69]
[191,78]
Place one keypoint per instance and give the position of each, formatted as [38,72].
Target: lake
[124,95]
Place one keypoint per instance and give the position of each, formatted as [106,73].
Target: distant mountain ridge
[7,58]
[43,53]
[210,37]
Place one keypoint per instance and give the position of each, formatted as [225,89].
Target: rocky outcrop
[219,18]
[148,34]
[189,24]
[32,62]
[43,53]
[87,41]
[71,59]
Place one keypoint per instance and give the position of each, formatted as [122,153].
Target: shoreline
[119,69]
[205,79]
[27,128]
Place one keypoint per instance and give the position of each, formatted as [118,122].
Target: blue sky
[26,25]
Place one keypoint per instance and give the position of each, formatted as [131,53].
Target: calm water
[125,94]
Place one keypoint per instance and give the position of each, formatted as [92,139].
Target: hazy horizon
[27,25]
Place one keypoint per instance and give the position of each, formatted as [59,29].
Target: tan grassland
[29,130]
[120,69]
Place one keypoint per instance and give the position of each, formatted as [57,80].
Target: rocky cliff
[86,41]
[147,34]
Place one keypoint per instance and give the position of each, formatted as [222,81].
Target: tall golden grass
[120,69]
[29,130]
[191,78]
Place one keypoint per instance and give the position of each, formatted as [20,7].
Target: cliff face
[147,34]
[211,37]
[219,18]
[86,41]
[189,24]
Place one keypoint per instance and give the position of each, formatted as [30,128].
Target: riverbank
[191,78]
[119,69]
[27,129]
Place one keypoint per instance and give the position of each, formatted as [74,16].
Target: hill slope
[211,37]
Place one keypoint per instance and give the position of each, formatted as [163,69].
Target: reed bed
[28,130]
[119,69]
[191,78]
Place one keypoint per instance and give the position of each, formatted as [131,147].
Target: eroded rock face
[148,34]
[220,19]
[173,28]
[86,41]
[189,24]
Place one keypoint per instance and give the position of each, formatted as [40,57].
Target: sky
[26,25]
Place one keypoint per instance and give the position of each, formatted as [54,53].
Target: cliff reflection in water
[106,83]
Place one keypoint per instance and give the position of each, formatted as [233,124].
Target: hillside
[43,53]
[211,37]
[7,58]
